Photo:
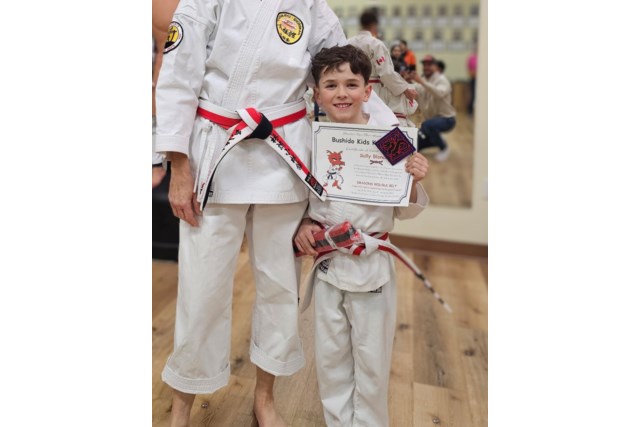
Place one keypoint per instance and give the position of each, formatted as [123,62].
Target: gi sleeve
[383,66]
[411,211]
[182,73]
[411,106]
[156,158]
[326,30]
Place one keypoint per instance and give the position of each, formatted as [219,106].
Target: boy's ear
[367,92]
[315,94]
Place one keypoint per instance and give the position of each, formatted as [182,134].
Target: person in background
[399,66]
[396,51]
[472,67]
[408,56]
[435,105]
[381,62]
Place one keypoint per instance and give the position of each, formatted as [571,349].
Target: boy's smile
[340,93]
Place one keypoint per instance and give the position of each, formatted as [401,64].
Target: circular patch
[289,27]
[174,37]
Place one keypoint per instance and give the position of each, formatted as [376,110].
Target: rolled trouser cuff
[196,385]
[273,366]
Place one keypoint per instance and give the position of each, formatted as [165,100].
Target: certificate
[352,169]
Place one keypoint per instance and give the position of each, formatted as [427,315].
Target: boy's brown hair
[329,59]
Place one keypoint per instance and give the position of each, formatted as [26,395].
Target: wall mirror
[449,32]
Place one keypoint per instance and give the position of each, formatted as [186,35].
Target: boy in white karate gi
[355,296]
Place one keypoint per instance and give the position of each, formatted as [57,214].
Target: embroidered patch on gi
[174,37]
[289,27]
[395,146]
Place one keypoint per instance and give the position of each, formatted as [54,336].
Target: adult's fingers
[196,204]
[181,195]
[189,215]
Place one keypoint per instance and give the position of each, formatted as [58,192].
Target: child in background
[355,296]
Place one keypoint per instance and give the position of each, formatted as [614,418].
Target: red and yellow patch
[289,27]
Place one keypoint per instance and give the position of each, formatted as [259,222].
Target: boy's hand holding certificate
[352,168]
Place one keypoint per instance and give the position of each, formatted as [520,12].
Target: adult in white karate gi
[221,58]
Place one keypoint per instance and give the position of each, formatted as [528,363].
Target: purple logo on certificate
[395,146]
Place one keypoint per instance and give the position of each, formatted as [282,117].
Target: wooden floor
[450,183]
[439,374]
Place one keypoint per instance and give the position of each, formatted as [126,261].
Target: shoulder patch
[289,27]
[174,37]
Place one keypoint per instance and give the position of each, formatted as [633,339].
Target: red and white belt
[251,123]
[343,238]
[400,116]
[375,81]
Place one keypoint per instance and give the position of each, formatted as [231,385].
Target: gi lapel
[264,17]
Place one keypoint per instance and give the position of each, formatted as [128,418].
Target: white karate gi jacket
[270,69]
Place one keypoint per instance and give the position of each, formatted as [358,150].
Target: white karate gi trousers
[207,263]
[353,343]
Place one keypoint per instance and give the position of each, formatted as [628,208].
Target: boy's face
[340,94]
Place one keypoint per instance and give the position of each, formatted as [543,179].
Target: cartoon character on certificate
[333,176]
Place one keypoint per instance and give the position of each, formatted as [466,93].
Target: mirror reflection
[433,46]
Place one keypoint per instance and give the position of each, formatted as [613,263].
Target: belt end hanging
[315,187]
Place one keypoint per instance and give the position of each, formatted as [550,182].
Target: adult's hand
[181,197]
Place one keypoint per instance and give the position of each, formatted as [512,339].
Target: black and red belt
[344,238]
[251,123]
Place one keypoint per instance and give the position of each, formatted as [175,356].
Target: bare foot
[266,413]
[181,408]
[264,407]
